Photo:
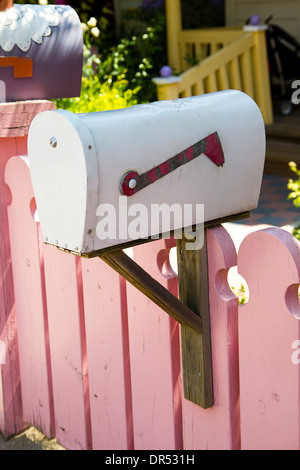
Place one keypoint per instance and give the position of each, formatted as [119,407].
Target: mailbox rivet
[132,183]
[53,142]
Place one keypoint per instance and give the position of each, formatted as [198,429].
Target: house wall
[286,13]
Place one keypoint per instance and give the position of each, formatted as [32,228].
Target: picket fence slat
[108,357]
[37,396]
[68,350]
[269,261]
[152,361]
[11,421]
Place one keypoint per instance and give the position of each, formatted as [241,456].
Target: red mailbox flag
[132,182]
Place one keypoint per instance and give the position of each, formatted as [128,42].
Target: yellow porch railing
[230,58]
[198,44]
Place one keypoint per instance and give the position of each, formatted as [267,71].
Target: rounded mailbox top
[22,24]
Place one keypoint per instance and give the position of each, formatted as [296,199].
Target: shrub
[294,187]
[97,95]
[139,56]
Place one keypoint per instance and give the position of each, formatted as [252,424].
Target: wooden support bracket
[191,310]
[140,279]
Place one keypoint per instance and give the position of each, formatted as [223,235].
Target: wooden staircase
[283,143]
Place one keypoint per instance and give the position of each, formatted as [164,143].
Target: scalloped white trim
[22,24]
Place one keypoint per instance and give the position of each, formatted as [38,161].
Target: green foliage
[138,57]
[103,11]
[120,75]
[240,293]
[126,67]
[296,232]
[96,96]
[294,187]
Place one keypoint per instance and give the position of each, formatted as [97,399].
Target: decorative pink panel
[105,305]
[269,339]
[30,299]
[15,119]
[154,362]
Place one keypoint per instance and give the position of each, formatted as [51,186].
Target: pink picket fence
[94,363]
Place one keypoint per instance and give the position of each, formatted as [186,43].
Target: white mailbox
[103,179]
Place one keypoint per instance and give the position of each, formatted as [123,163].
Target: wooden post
[167,88]
[262,77]
[196,347]
[174,26]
